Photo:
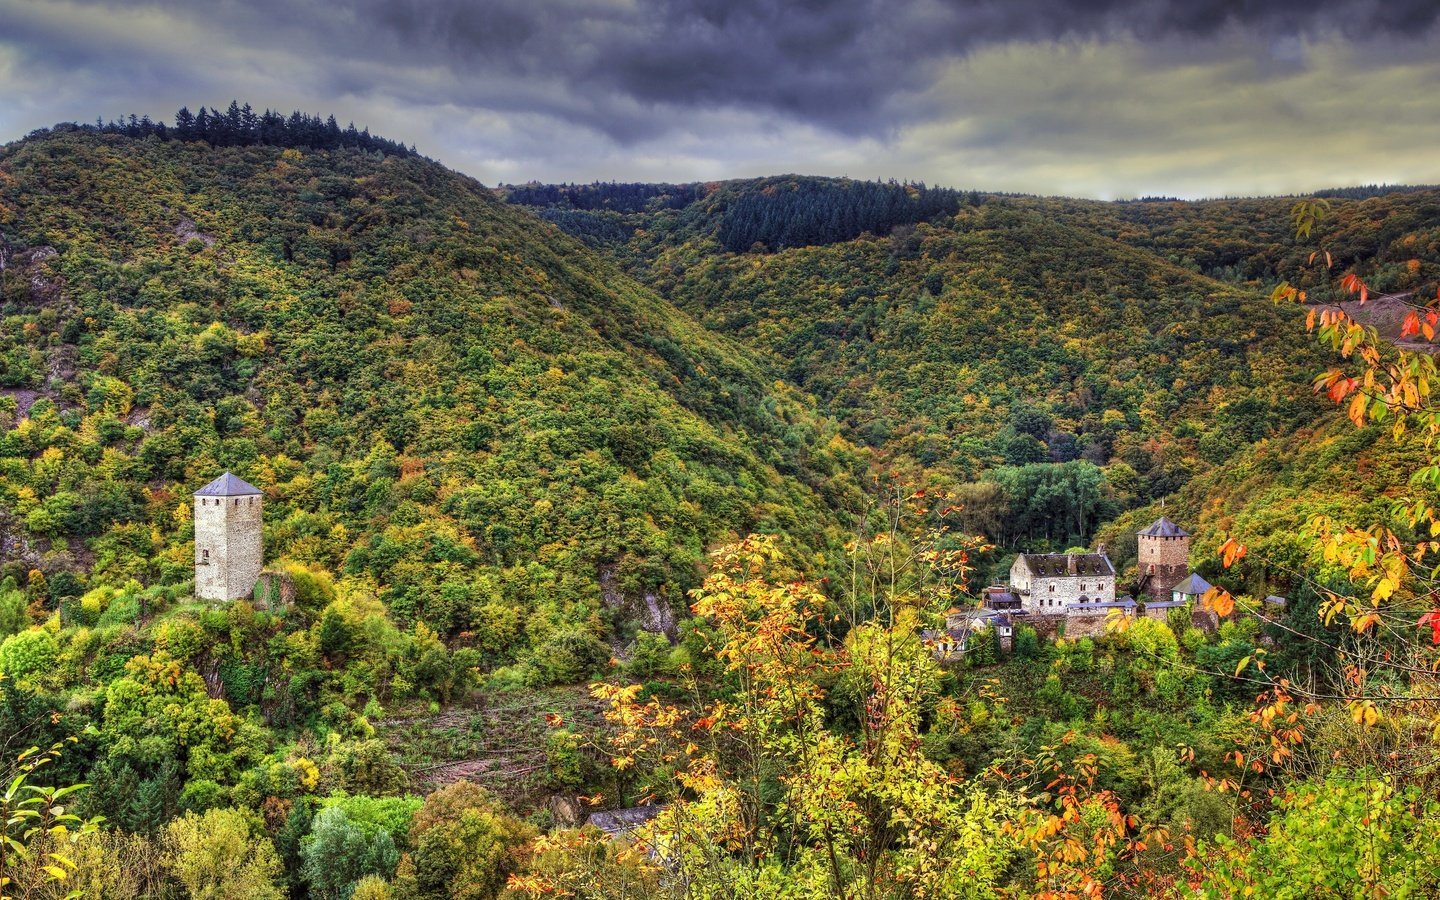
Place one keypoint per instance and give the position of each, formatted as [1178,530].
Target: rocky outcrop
[650,611]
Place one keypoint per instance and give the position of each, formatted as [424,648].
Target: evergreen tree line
[612,196]
[240,126]
[1366,191]
[817,211]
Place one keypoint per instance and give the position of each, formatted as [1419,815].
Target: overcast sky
[1106,98]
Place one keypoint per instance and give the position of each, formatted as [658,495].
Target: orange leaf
[1231,551]
[1356,412]
[1219,601]
[1412,324]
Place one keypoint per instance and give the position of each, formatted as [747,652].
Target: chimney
[1070,563]
[1100,549]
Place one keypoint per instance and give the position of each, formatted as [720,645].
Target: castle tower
[228,547]
[1164,557]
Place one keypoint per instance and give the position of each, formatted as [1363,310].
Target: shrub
[569,657]
[650,657]
[562,754]
[222,855]
[338,853]
[465,846]
[28,653]
[371,887]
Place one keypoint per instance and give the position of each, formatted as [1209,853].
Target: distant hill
[1014,330]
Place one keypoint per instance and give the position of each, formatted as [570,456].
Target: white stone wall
[229,550]
[1052,593]
[1019,578]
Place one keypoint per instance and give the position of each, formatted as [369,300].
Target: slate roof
[1273,600]
[1166,604]
[994,599]
[1193,585]
[1163,527]
[1053,564]
[228,485]
[976,614]
[619,822]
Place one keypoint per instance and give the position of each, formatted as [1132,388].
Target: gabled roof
[228,485]
[1053,564]
[1163,527]
[1193,584]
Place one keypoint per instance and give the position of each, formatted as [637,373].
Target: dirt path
[1386,314]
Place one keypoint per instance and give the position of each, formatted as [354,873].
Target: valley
[654,500]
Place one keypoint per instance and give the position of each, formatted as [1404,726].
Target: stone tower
[228,548]
[1164,557]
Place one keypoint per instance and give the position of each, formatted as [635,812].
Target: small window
[1052,588]
[204,554]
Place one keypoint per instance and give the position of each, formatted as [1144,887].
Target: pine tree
[185,123]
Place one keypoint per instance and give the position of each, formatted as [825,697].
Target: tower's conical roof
[228,485]
[1163,527]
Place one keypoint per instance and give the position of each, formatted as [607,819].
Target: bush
[465,846]
[364,767]
[1027,642]
[14,617]
[222,855]
[123,610]
[650,657]
[562,754]
[569,657]
[371,887]
[28,653]
[338,853]
[372,814]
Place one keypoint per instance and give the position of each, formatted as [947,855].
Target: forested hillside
[1134,343]
[439,394]
[659,496]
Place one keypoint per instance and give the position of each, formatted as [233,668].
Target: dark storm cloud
[840,64]
[1070,95]
[834,63]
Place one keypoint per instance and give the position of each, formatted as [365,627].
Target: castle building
[1050,582]
[228,547]
[1164,557]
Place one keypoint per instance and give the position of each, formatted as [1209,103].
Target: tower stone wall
[229,549]
[1164,560]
